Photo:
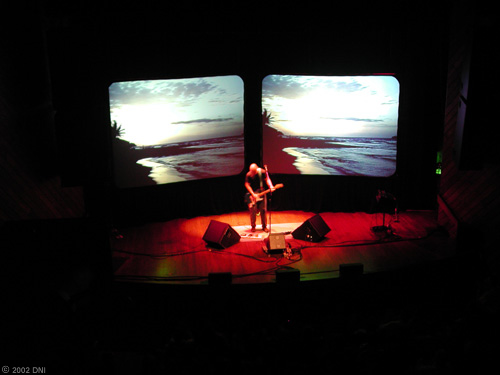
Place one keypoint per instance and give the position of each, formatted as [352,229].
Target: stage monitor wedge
[220,235]
[312,230]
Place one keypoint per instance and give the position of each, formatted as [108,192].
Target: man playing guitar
[256,200]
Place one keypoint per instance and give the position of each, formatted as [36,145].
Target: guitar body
[251,201]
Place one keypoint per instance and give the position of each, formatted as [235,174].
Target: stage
[174,252]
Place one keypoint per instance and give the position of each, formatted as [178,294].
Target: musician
[255,181]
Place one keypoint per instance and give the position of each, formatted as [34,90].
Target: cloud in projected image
[156,112]
[336,106]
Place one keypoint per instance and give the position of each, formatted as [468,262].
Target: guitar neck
[263,192]
[269,190]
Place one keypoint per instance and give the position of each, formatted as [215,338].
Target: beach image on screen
[174,130]
[330,125]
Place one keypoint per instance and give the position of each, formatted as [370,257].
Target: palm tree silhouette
[266,118]
[116,130]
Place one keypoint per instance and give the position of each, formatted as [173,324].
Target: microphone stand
[271,193]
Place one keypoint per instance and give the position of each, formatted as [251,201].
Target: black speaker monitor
[220,235]
[276,243]
[350,270]
[312,230]
[220,278]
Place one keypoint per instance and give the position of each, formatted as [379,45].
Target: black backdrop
[98,45]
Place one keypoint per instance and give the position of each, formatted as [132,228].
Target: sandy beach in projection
[197,160]
[340,156]
[161,172]
[178,162]
[305,164]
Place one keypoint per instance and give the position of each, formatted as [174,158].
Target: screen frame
[140,174]
[271,136]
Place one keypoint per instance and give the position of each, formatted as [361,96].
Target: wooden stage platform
[174,252]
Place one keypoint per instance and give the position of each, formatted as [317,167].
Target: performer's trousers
[261,208]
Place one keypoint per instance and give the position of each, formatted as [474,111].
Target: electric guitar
[251,201]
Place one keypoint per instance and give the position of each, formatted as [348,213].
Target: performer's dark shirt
[253,181]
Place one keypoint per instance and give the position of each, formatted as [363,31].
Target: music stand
[384,202]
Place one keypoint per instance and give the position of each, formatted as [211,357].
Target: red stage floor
[175,252]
